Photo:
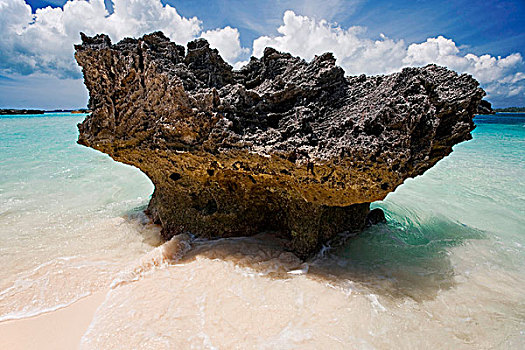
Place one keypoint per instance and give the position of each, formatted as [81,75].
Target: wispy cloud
[330,10]
[263,17]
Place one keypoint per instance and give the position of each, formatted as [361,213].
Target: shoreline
[59,329]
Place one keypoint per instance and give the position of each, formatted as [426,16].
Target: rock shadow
[409,260]
[394,260]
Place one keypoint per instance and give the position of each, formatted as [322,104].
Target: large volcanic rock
[281,145]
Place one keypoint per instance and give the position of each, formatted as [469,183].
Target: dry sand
[60,329]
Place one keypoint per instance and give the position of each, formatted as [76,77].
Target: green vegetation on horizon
[510,109]
[13,111]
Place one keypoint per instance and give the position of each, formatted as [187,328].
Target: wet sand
[60,329]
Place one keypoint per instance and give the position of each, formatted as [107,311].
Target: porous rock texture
[280,145]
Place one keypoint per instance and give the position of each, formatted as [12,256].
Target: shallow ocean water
[445,271]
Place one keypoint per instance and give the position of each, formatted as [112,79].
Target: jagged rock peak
[485,107]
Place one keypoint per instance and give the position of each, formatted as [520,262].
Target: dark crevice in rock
[175,176]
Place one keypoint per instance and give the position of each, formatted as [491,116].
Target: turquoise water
[64,208]
[448,264]
[42,166]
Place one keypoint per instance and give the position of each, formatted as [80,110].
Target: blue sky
[483,38]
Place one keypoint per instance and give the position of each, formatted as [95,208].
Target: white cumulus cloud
[443,51]
[306,37]
[43,42]
[502,77]
[227,41]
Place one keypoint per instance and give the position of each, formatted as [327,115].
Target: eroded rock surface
[281,145]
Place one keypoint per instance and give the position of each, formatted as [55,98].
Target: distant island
[11,111]
[74,111]
[20,111]
[511,109]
